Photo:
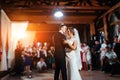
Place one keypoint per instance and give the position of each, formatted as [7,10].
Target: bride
[71,61]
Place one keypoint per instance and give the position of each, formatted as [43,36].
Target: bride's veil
[77,38]
[78,56]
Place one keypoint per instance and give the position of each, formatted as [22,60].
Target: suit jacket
[58,40]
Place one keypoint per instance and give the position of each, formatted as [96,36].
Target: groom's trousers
[60,67]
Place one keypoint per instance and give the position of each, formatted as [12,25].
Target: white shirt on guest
[111,55]
[41,64]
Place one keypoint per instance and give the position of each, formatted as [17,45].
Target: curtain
[5,23]
[15,32]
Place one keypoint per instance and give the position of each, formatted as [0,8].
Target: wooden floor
[86,75]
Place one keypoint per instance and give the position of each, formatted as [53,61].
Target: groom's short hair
[61,25]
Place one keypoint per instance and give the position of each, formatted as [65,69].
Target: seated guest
[112,60]
[41,65]
[111,55]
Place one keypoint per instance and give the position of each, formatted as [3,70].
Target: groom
[59,55]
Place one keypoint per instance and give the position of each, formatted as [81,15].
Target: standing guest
[115,41]
[103,50]
[44,49]
[34,55]
[38,53]
[59,55]
[50,58]
[28,62]
[84,48]
[96,55]
[88,59]
[117,47]
[18,59]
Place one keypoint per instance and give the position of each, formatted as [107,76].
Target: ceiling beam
[51,19]
[40,11]
[66,13]
[110,10]
[79,7]
[61,7]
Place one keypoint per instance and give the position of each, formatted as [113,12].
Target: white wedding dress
[71,64]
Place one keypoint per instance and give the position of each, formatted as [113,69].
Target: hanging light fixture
[58,13]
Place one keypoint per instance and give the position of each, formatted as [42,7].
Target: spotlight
[58,14]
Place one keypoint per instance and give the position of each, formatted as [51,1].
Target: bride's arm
[73,46]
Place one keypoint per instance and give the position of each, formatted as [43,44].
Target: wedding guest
[41,65]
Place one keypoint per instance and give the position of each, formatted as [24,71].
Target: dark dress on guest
[96,56]
[18,61]
[28,60]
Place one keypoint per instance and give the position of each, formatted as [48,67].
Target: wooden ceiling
[41,11]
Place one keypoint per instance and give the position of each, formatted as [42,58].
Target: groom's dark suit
[59,55]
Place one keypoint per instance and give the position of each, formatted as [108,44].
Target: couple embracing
[65,53]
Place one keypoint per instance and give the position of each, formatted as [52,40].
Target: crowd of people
[103,56]
[62,57]
[38,56]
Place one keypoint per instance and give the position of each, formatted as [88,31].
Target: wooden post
[105,27]
[92,28]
